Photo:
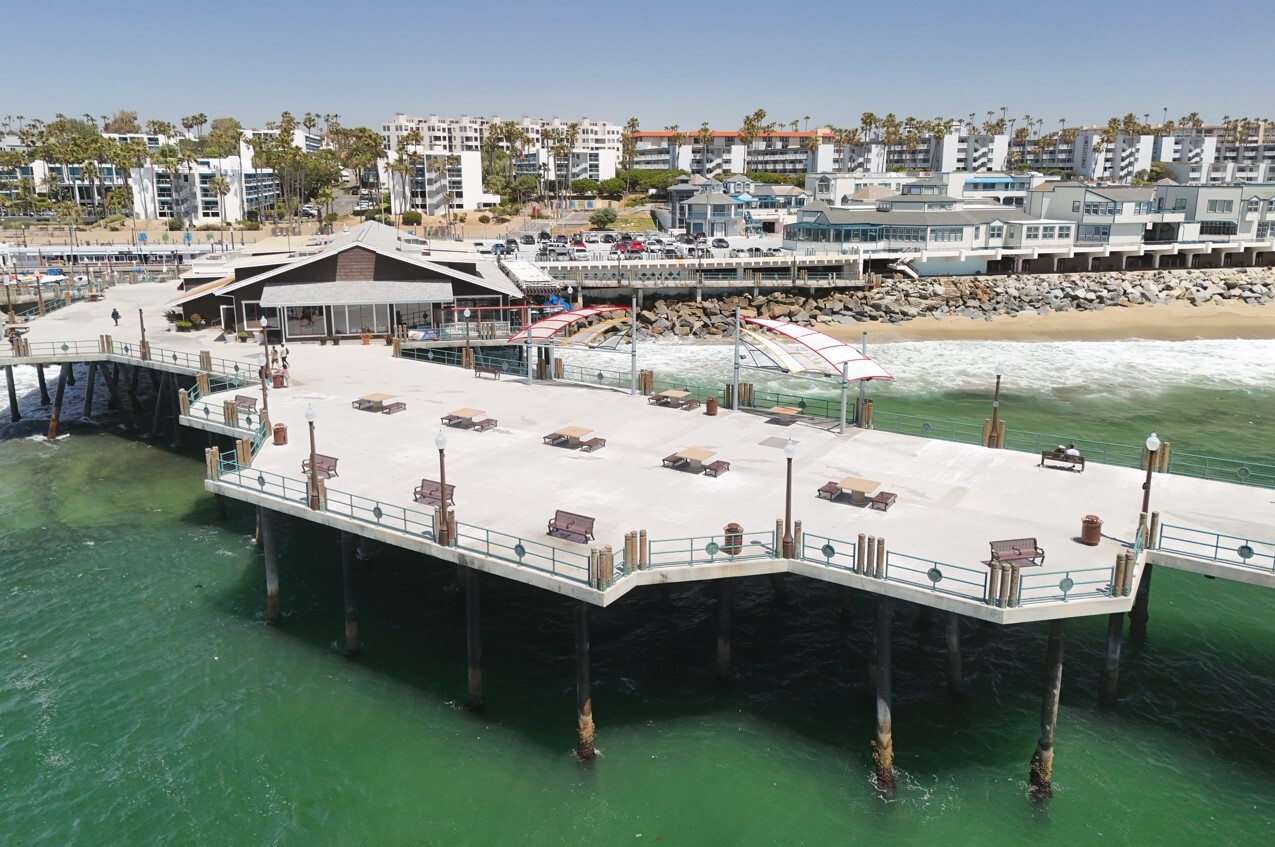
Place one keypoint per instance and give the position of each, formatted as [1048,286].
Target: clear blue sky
[663,62]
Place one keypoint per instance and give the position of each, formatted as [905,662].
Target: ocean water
[144,700]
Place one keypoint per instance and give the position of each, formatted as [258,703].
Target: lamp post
[261,372]
[1153,447]
[993,437]
[469,355]
[265,325]
[314,476]
[141,322]
[571,296]
[444,531]
[790,451]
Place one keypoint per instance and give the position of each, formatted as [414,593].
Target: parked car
[625,237]
[527,239]
[698,252]
[685,239]
[591,237]
[669,253]
[498,250]
[559,239]
[721,244]
[544,235]
[637,247]
[608,238]
[577,242]
[581,253]
[482,247]
[511,245]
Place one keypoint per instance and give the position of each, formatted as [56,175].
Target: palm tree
[221,187]
[867,123]
[705,136]
[628,146]
[806,118]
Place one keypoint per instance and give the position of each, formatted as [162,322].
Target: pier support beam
[1141,612]
[952,635]
[349,542]
[725,599]
[883,746]
[272,564]
[44,388]
[159,403]
[777,586]
[57,401]
[117,400]
[846,603]
[135,372]
[584,696]
[219,506]
[90,384]
[14,414]
[1110,677]
[473,637]
[1042,763]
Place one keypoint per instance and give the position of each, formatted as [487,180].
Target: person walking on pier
[284,358]
[115,316]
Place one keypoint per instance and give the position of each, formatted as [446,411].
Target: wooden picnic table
[696,456]
[859,488]
[787,414]
[467,414]
[573,434]
[376,401]
[671,397]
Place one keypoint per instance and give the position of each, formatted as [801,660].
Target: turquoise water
[144,700]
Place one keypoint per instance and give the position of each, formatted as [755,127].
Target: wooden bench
[362,405]
[829,490]
[1055,456]
[689,404]
[486,423]
[554,438]
[395,407]
[883,500]
[571,526]
[716,468]
[484,369]
[324,466]
[674,461]
[450,420]
[247,403]
[592,444]
[1022,551]
[431,492]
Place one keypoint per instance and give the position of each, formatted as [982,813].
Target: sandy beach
[1168,322]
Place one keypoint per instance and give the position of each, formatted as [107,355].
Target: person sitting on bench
[1071,451]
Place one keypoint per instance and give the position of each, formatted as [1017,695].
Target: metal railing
[1055,586]
[711,549]
[1226,470]
[381,514]
[938,577]
[535,555]
[61,348]
[927,427]
[824,550]
[596,376]
[1217,547]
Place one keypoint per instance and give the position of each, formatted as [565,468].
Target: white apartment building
[986,188]
[190,198]
[437,185]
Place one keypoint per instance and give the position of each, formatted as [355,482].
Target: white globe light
[1153,443]
[440,440]
[309,414]
[261,359]
[790,449]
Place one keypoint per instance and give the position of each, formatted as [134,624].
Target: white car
[481,247]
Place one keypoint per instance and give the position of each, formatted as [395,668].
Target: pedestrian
[284,373]
[283,360]
[115,316]
[274,356]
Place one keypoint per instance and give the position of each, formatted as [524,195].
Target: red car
[636,246]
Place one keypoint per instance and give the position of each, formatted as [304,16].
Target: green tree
[613,188]
[221,187]
[585,187]
[223,138]
[603,218]
[123,123]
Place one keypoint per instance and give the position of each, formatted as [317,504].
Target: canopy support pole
[734,394]
[633,334]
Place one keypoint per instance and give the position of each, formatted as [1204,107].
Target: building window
[1048,231]
[1064,232]
[1075,207]
[1221,206]
[1093,233]
[1266,229]
[1033,232]
[996,232]
[947,233]
[1254,205]
[1217,227]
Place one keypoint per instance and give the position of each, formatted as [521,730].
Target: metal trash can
[733,539]
[1091,530]
[710,407]
[280,434]
[276,380]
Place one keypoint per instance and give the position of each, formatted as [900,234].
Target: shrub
[484,219]
[173,316]
[501,219]
[112,219]
[182,324]
[603,218]
[251,226]
[388,220]
[331,217]
[174,225]
[195,318]
[411,218]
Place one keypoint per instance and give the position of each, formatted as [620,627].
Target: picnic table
[672,397]
[787,414]
[859,488]
[696,456]
[375,402]
[465,416]
[572,434]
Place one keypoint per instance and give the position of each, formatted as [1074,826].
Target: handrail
[1217,547]
[711,549]
[1066,585]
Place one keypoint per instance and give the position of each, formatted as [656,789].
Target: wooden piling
[272,564]
[70,374]
[1015,580]
[860,552]
[117,400]
[994,584]
[1042,763]
[1007,578]
[348,543]
[90,383]
[952,637]
[725,599]
[883,746]
[473,637]
[63,374]
[44,388]
[159,402]
[1140,613]
[584,697]
[1107,682]
[219,505]
[845,602]
[880,566]
[134,373]
[14,414]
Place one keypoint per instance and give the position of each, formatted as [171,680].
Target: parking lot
[596,246]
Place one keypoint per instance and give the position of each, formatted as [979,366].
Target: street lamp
[443,533]
[469,355]
[1153,447]
[265,324]
[790,452]
[141,321]
[993,437]
[314,470]
[261,371]
[571,295]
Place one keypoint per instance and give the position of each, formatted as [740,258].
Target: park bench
[324,466]
[486,423]
[554,438]
[246,403]
[485,369]
[571,526]
[689,404]
[829,490]
[431,492]
[362,405]
[657,400]
[592,444]
[1076,460]
[883,500]
[1022,551]
[674,461]
[716,468]
[393,408]
[450,420]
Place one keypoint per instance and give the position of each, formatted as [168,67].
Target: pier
[656,525]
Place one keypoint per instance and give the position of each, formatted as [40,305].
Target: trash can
[1091,530]
[280,434]
[276,380]
[733,538]
[710,407]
